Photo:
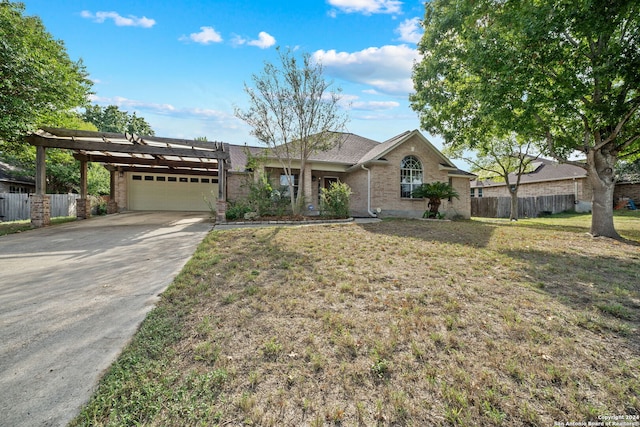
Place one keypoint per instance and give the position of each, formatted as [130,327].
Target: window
[148,178]
[410,176]
[172,179]
[473,192]
[160,178]
[194,180]
[479,192]
[137,177]
[284,182]
[204,180]
[183,179]
[18,189]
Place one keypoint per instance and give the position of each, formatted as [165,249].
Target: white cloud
[162,109]
[207,35]
[264,40]
[410,30]
[386,69]
[119,20]
[374,105]
[366,7]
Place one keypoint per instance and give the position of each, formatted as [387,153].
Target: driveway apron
[72,296]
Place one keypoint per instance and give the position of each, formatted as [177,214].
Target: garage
[147,173]
[163,192]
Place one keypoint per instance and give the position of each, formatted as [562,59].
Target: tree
[434,192]
[112,119]
[560,71]
[501,159]
[38,80]
[295,114]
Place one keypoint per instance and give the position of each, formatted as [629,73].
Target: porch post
[308,190]
[83,205]
[40,204]
[221,205]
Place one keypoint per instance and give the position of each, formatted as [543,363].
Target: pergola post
[221,205]
[40,203]
[83,204]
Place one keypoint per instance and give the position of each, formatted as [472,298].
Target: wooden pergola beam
[167,171]
[88,145]
[119,160]
[68,133]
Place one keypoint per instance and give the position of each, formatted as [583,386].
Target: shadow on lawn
[603,291]
[469,233]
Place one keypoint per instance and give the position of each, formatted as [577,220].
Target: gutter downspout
[369,191]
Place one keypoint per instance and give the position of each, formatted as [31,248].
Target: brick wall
[238,186]
[385,185]
[549,188]
[120,190]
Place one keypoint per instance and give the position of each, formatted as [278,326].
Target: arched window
[410,175]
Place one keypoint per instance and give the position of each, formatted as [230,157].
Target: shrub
[335,200]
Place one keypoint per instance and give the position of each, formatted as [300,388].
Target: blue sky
[182,65]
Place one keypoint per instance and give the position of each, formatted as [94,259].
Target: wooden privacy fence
[500,207]
[15,207]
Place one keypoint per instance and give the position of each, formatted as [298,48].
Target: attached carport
[147,172]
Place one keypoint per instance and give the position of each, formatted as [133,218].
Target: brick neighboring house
[13,180]
[381,175]
[548,178]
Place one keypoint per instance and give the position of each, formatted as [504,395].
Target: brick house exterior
[373,171]
[549,178]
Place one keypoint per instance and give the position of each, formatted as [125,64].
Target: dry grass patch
[394,323]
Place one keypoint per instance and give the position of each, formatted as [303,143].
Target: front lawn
[402,322]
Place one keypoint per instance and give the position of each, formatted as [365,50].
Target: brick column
[83,208]
[112,207]
[40,206]
[221,212]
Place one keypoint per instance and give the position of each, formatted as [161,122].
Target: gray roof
[348,152]
[545,170]
[10,173]
[352,150]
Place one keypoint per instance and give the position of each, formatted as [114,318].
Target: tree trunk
[513,216]
[601,175]
[434,206]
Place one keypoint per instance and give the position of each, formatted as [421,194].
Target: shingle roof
[348,152]
[353,150]
[10,173]
[547,170]
[238,156]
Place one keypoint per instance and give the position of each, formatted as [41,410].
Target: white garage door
[162,192]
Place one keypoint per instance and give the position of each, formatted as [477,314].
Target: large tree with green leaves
[38,80]
[112,119]
[561,71]
[294,112]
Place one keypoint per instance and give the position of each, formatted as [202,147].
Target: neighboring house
[13,180]
[547,178]
[381,175]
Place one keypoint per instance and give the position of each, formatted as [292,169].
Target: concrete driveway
[71,297]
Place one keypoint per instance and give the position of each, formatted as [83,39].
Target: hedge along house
[147,173]
[381,175]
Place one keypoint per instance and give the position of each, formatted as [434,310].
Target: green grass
[10,227]
[396,323]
